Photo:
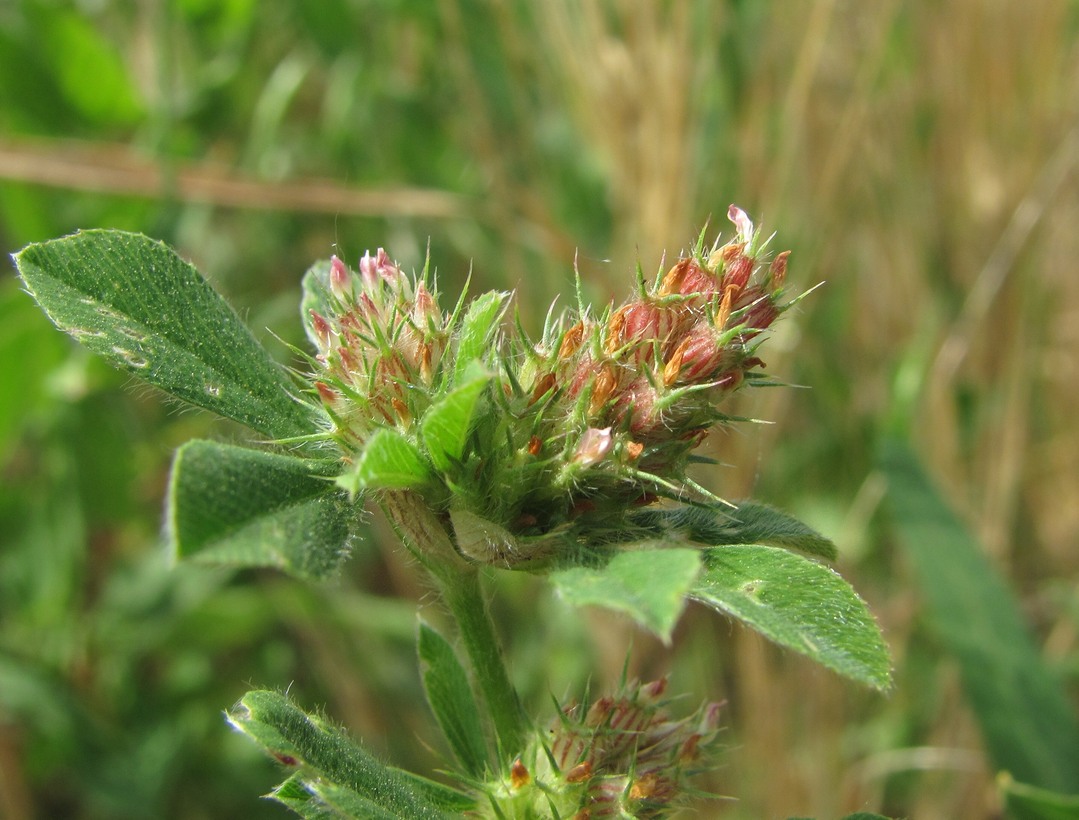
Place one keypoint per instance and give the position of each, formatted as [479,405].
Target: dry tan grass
[921,158]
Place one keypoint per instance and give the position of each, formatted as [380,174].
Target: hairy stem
[428,539]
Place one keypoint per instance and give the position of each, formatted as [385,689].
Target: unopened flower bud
[599,711]
[594,446]
[579,773]
[369,271]
[723,313]
[542,386]
[736,273]
[425,313]
[761,313]
[322,329]
[642,325]
[340,279]
[695,359]
[687,278]
[653,691]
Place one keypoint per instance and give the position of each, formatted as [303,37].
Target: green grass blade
[452,700]
[1029,727]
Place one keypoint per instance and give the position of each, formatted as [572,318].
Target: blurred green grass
[920,158]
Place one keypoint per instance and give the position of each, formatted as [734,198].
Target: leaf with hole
[799,604]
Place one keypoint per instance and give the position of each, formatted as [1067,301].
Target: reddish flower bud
[599,712]
[321,328]
[340,279]
[736,272]
[543,384]
[369,271]
[688,279]
[425,312]
[641,324]
[327,393]
[379,267]
[654,691]
[695,359]
[762,312]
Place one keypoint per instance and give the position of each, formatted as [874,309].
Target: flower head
[602,412]
[622,756]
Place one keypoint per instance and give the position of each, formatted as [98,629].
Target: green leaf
[799,604]
[477,331]
[447,422]
[244,507]
[648,583]
[748,522]
[1032,803]
[389,461]
[327,758]
[137,304]
[1030,727]
[88,52]
[298,794]
[452,701]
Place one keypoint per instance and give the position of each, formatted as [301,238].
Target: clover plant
[565,456]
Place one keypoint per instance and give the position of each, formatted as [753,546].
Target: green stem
[429,540]
[464,597]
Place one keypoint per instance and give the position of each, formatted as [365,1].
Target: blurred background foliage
[920,158]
